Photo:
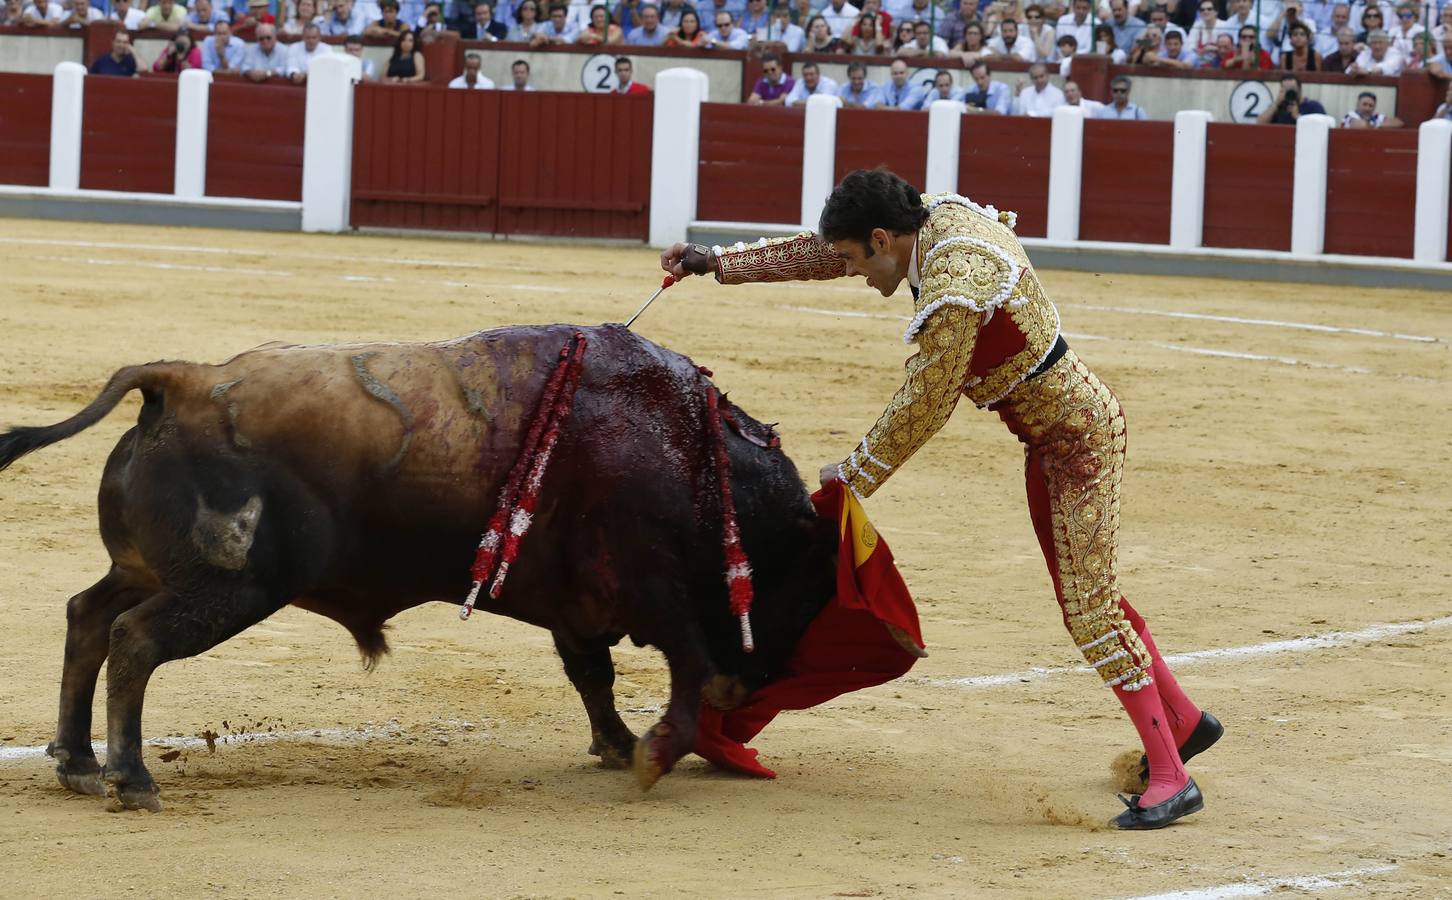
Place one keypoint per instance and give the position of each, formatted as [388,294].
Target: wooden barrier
[868,138]
[1004,161]
[25,128]
[129,135]
[1127,180]
[255,141]
[1248,186]
[1371,190]
[751,163]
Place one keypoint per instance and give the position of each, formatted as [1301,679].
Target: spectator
[627,14]
[1326,40]
[1039,33]
[1301,56]
[431,22]
[873,10]
[222,51]
[353,46]
[526,22]
[558,30]
[727,35]
[858,92]
[840,17]
[120,61]
[1439,65]
[1245,14]
[302,54]
[688,33]
[1079,25]
[1010,43]
[773,86]
[1104,43]
[1371,19]
[255,14]
[1148,48]
[904,42]
[1037,97]
[1366,116]
[519,75]
[1445,110]
[1120,107]
[650,33]
[756,21]
[1378,58]
[342,20]
[181,53]
[1126,27]
[204,17]
[1291,103]
[131,18]
[1204,33]
[1175,55]
[1443,26]
[625,82]
[987,97]
[1068,46]
[1318,13]
[1405,31]
[942,89]
[929,44]
[866,40]
[267,59]
[602,31]
[1278,35]
[819,37]
[1160,18]
[13,13]
[951,28]
[1074,97]
[304,11]
[390,24]
[471,80]
[81,12]
[406,65]
[1346,52]
[671,12]
[898,89]
[782,30]
[166,15]
[1248,53]
[811,82]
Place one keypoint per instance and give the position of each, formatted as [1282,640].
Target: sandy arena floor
[1283,483]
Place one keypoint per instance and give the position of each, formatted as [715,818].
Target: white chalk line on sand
[1326,881]
[8,754]
[1267,323]
[1296,645]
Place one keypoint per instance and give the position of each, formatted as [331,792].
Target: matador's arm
[804,257]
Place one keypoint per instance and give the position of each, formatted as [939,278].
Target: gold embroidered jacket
[981,322]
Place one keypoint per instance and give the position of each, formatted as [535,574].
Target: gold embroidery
[802,257]
[1038,321]
[1074,426]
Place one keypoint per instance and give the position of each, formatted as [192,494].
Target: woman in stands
[1248,53]
[1302,57]
[1204,33]
[601,30]
[903,38]
[1371,20]
[1104,43]
[973,45]
[819,37]
[406,65]
[304,12]
[689,33]
[180,54]
[868,41]
[526,20]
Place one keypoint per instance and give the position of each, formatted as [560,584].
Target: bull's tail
[150,378]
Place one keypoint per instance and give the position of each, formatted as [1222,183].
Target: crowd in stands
[1292,36]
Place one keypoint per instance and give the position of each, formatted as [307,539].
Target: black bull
[354,481]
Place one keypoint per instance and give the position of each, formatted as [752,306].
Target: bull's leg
[592,672]
[165,627]
[674,735]
[89,615]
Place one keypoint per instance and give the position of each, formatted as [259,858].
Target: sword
[665,283]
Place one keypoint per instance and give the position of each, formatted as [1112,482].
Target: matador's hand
[684,259]
[829,473]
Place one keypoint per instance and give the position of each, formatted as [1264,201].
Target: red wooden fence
[128,135]
[255,141]
[868,138]
[1004,161]
[1249,174]
[25,128]
[1371,192]
[1125,195]
[751,163]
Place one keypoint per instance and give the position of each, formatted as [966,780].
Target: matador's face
[883,270]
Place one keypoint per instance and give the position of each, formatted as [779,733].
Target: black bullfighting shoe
[1139,818]
[1207,731]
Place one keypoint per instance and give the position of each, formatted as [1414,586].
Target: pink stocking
[1179,711]
[1145,710]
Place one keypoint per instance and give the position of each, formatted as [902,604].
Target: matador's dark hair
[871,199]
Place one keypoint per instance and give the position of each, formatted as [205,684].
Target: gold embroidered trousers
[1073,433]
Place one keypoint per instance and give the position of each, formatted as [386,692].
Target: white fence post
[945,130]
[328,142]
[1308,200]
[1187,192]
[819,156]
[675,153]
[1434,165]
[193,90]
[1066,173]
[67,103]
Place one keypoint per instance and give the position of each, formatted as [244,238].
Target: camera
[1292,96]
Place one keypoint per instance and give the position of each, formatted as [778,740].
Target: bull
[354,481]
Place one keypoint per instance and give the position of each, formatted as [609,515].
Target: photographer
[181,54]
[1291,103]
[1148,48]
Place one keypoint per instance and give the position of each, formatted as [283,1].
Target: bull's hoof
[653,756]
[133,794]
[724,692]
[81,774]
[611,756]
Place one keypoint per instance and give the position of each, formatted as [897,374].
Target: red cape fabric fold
[846,648]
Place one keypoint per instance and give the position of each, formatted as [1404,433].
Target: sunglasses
[1119,90]
[1406,15]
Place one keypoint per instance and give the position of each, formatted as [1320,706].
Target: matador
[985,329]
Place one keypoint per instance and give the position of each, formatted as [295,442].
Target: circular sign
[1248,100]
[598,74]
[924,78]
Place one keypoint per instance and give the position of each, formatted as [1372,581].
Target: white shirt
[1388,15]
[511,87]
[1023,48]
[1404,41]
[1391,64]
[799,92]
[1090,107]
[135,18]
[92,14]
[1082,33]
[50,12]
[1034,102]
[480,84]
[840,21]
[298,57]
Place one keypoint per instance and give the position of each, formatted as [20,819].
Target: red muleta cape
[846,648]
